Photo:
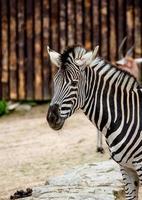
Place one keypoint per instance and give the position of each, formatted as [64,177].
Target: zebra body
[116,110]
[111,99]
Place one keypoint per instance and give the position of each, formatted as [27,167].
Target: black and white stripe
[112,100]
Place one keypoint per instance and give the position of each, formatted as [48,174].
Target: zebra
[112,100]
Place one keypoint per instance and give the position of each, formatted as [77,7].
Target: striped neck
[108,90]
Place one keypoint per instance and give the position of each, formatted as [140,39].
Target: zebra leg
[131,182]
[100,142]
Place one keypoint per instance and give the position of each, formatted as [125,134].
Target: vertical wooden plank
[141,27]
[75,27]
[95,23]
[62,24]
[37,53]
[0,54]
[4,48]
[113,31]
[87,27]
[55,28]
[46,41]
[13,59]
[21,46]
[79,22]
[54,24]
[104,28]
[130,23]
[70,23]
[83,22]
[138,28]
[100,26]
[29,48]
[121,21]
[108,30]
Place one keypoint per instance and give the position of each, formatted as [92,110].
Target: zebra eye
[74,83]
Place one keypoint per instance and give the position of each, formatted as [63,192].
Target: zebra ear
[87,58]
[121,61]
[54,57]
[95,52]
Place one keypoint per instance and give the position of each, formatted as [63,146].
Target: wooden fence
[28,26]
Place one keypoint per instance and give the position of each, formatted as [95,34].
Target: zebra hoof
[100,150]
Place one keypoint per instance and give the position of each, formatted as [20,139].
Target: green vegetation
[3,107]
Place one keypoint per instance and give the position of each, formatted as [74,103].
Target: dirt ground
[30,151]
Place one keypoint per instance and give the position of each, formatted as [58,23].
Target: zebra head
[69,83]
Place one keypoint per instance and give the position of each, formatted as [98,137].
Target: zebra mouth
[58,124]
[54,118]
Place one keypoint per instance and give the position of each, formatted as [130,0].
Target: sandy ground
[30,151]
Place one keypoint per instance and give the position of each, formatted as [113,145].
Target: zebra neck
[105,90]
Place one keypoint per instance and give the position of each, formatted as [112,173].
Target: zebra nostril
[53,114]
[53,117]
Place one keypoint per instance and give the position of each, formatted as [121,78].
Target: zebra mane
[74,52]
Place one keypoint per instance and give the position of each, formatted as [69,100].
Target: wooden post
[55,29]
[130,23]
[0,54]
[54,24]
[46,41]
[138,28]
[62,24]
[70,23]
[121,21]
[104,28]
[113,31]
[87,28]
[21,46]
[13,57]
[4,49]
[83,22]
[79,22]
[29,49]
[37,51]
[95,23]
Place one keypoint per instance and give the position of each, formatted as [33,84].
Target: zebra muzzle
[54,119]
